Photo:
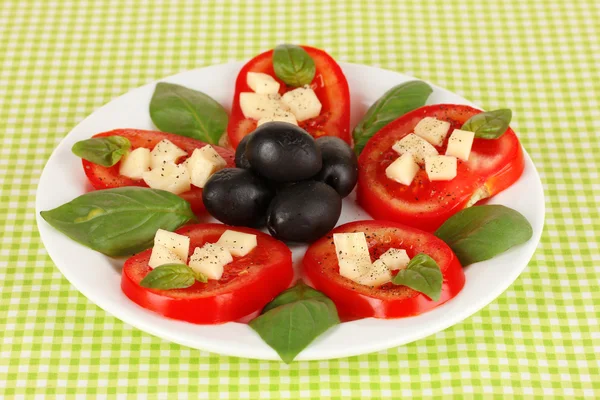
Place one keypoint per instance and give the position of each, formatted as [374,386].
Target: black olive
[236,196]
[340,166]
[304,212]
[241,161]
[283,152]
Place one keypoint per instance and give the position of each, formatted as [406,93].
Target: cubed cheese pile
[355,263]
[209,260]
[159,168]
[265,104]
[418,148]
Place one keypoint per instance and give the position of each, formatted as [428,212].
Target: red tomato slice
[329,84]
[108,177]
[387,301]
[247,285]
[493,166]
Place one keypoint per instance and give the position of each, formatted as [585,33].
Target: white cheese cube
[262,83]
[210,260]
[418,147]
[174,178]
[433,130]
[165,152]
[257,105]
[237,243]
[395,259]
[377,275]
[203,163]
[176,243]
[162,255]
[283,116]
[303,103]
[352,253]
[403,170]
[460,143]
[134,164]
[441,168]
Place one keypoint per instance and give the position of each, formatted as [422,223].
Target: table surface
[61,60]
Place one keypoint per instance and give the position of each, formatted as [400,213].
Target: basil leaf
[187,112]
[293,65]
[393,104]
[299,315]
[105,151]
[119,221]
[481,232]
[423,275]
[489,124]
[169,276]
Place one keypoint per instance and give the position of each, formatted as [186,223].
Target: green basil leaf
[481,232]
[105,151]
[119,221]
[489,124]
[187,112]
[423,275]
[300,314]
[293,65]
[200,277]
[169,276]
[396,102]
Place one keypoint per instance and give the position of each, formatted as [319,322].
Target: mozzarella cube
[460,143]
[210,260]
[303,103]
[161,255]
[441,168]
[134,164]
[262,83]
[170,177]
[176,243]
[237,243]
[165,152]
[418,147]
[352,253]
[203,163]
[284,116]
[395,259]
[433,130]
[403,170]
[377,275]
[258,105]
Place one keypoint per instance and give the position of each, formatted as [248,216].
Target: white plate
[98,277]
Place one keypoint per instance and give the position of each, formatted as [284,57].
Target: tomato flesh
[247,285]
[353,300]
[493,166]
[108,177]
[330,86]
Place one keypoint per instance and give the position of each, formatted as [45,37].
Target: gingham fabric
[60,60]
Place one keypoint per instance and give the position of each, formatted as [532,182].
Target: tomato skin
[329,84]
[108,177]
[268,271]
[352,300]
[493,166]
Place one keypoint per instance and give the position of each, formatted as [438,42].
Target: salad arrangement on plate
[284,160]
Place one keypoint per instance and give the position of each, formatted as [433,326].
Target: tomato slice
[493,166]
[108,177]
[247,285]
[329,84]
[353,300]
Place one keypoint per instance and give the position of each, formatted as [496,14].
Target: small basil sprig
[187,112]
[120,221]
[294,319]
[172,276]
[105,151]
[423,275]
[481,232]
[293,65]
[394,103]
[489,124]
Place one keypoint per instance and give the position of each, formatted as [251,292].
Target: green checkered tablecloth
[61,60]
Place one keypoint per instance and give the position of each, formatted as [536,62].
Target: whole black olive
[304,212]
[283,152]
[236,196]
[241,161]
[340,166]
